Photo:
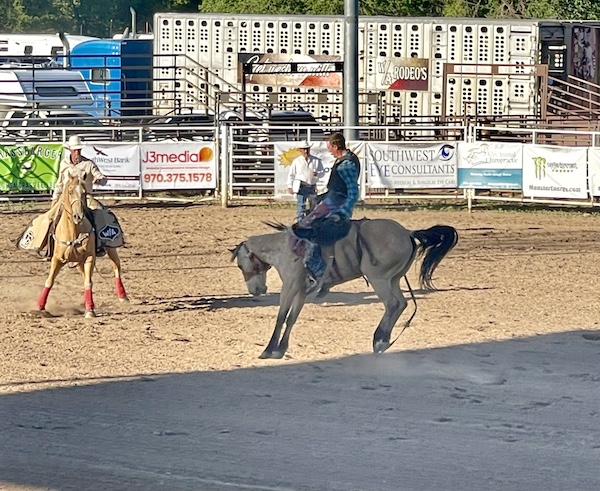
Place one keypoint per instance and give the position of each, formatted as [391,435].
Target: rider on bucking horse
[329,221]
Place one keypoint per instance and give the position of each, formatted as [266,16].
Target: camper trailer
[43,87]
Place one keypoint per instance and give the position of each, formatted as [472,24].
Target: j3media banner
[411,165]
[490,165]
[554,172]
[178,166]
[26,168]
[119,163]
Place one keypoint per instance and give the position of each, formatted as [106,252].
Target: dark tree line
[103,18]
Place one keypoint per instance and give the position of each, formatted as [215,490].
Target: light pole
[350,68]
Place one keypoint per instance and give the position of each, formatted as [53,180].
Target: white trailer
[194,51]
[43,88]
[15,46]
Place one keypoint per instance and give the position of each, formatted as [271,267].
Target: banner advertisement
[119,163]
[402,73]
[594,170]
[286,152]
[27,168]
[490,165]
[411,166]
[186,165]
[554,172]
[293,70]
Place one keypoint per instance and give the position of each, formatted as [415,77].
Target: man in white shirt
[303,176]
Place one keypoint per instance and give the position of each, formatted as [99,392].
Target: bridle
[258,266]
[77,241]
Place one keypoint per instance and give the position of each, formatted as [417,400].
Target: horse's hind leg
[55,267]
[116,261]
[390,294]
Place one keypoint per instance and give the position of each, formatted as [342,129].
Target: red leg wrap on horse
[41,303]
[88,300]
[119,288]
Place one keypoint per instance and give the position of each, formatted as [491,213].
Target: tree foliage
[104,18]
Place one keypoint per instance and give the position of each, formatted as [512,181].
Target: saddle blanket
[36,236]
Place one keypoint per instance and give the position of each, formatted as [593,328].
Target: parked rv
[21,48]
[43,87]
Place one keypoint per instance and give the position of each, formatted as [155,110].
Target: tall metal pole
[350,68]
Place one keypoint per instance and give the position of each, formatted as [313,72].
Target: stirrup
[312,284]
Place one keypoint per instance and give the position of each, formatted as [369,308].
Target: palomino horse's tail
[435,243]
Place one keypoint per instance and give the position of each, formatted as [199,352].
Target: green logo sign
[29,168]
[540,167]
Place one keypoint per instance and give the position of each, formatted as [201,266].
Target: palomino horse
[75,242]
[382,251]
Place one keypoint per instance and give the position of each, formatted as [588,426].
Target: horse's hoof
[90,314]
[276,355]
[380,346]
[124,299]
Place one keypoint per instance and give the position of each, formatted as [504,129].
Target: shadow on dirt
[518,414]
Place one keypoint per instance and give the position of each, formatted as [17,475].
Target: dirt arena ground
[513,275]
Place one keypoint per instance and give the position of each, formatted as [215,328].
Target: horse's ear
[235,251]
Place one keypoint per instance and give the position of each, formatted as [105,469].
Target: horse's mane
[277,226]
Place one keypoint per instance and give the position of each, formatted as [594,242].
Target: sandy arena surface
[493,387]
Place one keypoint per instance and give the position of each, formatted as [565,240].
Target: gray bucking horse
[382,251]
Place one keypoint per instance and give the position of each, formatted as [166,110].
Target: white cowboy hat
[74,143]
[304,144]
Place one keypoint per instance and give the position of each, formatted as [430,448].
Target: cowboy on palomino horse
[329,221]
[42,232]
[108,230]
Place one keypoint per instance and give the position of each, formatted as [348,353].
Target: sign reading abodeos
[189,165]
[402,73]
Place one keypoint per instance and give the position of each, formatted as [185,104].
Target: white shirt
[85,167]
[302,170]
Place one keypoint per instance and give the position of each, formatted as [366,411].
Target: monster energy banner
[554,172]
[27,168]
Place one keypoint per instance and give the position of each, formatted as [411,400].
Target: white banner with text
[554,172]
[119,163]
[411,165]
[286,152]
[184,165]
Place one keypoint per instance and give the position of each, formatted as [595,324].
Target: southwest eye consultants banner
[554,172]
[412,165]
[490,165]
[189,165]
[26,168]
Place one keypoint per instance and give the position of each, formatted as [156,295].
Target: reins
[81,236]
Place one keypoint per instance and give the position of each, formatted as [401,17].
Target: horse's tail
[435,243]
